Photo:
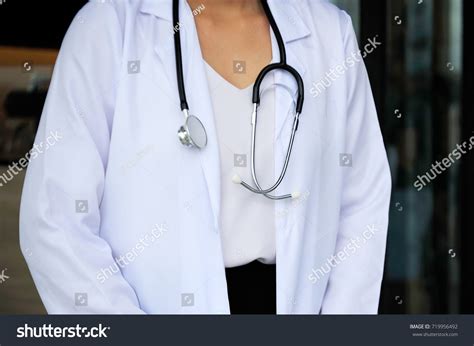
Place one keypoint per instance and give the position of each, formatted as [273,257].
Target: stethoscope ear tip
[296,195]
[236,179]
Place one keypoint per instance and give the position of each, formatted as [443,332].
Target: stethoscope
[193,133]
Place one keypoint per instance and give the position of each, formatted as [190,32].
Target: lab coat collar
[284,12]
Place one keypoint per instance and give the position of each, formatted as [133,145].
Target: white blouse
[247,220]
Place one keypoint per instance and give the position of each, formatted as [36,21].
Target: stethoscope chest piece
[193,133]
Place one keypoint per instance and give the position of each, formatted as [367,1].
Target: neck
[227,8]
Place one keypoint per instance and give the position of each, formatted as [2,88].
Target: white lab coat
[119,177]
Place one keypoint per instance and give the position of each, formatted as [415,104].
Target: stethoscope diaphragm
[193,133]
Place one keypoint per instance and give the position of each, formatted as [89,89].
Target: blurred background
[423,87]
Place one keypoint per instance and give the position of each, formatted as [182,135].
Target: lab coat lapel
[200,105]
[292,29]
[163,44]
[195,79]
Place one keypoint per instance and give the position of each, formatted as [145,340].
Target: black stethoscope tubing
[193,132]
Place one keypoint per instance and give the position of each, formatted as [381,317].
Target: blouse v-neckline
[222,80]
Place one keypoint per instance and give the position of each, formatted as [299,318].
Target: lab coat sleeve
[357,267]
[60,216]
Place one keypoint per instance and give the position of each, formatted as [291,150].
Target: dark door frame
[467,169]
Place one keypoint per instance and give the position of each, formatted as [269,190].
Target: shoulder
[319,8]
[104,15]
[93,44]
[324,14]
[96,21]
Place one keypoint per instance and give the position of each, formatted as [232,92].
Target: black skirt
[252,288]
